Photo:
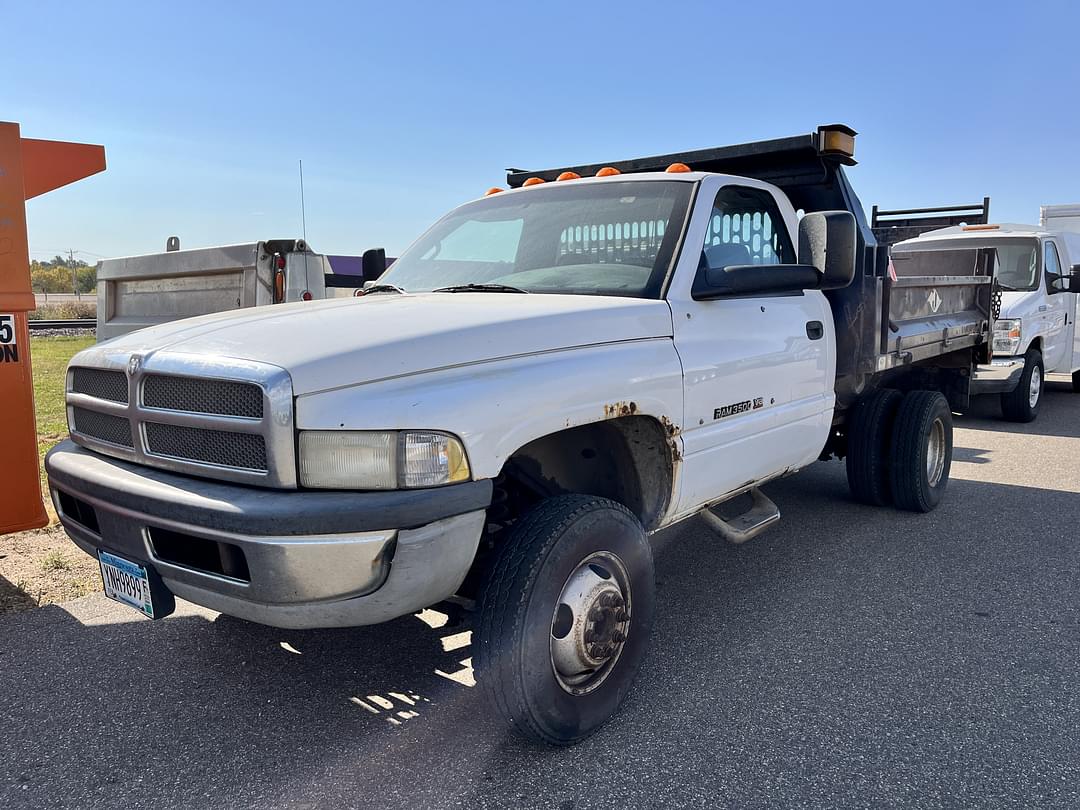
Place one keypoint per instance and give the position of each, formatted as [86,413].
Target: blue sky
[402,110]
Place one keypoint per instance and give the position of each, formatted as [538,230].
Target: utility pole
[71,264]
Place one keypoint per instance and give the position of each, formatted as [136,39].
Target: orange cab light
[279,286]
[608,171]
[533,181]
[568,176]
[677,168]
[492,190]
[981,227]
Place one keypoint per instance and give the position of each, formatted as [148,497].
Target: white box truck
[1037,281]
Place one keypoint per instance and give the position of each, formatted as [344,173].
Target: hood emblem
[134,364]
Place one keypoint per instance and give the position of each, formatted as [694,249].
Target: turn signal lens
[677,168]
[279,286]
[608,171]
[533,181]
[492,190]
[568,176]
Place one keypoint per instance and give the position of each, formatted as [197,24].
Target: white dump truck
[135,292]
[549,375]
[1037,276]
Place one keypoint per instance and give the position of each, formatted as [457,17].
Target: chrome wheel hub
[591,622]
[935,453]
[1035,388]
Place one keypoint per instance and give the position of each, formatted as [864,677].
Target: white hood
[335,343]
[1021,304]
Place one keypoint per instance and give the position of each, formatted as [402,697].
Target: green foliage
[63,276]
[68,310]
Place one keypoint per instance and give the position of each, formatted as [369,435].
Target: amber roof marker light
[608,171]
[568,176]
[981,228]
[533,181]
[677,168]
[492,190]
[838,141]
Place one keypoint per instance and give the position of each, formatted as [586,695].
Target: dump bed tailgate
[938,303]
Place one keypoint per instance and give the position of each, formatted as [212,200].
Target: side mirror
[373,263]
[826,262]
[827,243]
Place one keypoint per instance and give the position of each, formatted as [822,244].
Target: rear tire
[1022,403]
[922,448]
[868,447]
[565,617]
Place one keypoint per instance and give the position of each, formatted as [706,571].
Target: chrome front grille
[222,447]
[103,426]
[227,419]
[197,395]
[100,383]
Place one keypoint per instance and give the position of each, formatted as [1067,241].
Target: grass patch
[49,357]
[68,310]
[55,560]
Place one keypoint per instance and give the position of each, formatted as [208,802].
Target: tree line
[63,275]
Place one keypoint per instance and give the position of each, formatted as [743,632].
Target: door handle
[815,330]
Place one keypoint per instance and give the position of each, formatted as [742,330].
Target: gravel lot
[849,657]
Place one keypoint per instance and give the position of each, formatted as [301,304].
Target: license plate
[127,582]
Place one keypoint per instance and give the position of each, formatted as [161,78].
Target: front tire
[1022,403]
[565,617]
[1076,382]
[922,448]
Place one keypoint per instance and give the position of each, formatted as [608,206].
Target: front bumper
[295,559]
[999,377]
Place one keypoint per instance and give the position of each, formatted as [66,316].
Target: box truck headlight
[347,459]
[1007,336]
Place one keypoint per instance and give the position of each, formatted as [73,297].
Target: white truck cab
[1035,323]
[547,376]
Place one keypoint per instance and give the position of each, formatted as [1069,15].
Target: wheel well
[1036,343]
[628,459]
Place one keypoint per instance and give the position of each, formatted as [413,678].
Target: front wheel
[1076,382]
[1022,403]
[565,617]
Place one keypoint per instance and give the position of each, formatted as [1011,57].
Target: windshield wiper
[1006,287]
[480,288]
[375,288]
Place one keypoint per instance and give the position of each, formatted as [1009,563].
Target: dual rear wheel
[900,449]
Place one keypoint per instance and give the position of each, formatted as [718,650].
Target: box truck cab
[1036,276]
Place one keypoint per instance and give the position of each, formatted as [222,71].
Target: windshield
[607,238]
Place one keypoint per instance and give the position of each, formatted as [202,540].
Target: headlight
[1007,336]
[345,459]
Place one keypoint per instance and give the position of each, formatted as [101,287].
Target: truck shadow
[13,599]
[762,652]
[1059,414]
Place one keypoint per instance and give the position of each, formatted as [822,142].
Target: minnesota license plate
[127,582]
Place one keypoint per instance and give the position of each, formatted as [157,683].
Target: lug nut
[607,599]
[618,637]
[590,637]
[622,616]
[596,651]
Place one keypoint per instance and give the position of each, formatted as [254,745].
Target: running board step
[761,515]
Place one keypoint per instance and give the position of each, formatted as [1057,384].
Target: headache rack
[881,324]
[892,226]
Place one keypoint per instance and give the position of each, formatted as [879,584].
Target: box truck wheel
[868,446]
[1076,382]
[922,447]
[565,617]
[1022,403]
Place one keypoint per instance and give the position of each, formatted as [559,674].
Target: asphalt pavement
[849,657]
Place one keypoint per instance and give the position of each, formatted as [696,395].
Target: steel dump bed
[938,303]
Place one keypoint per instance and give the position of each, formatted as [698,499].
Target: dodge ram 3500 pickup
[547,376]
